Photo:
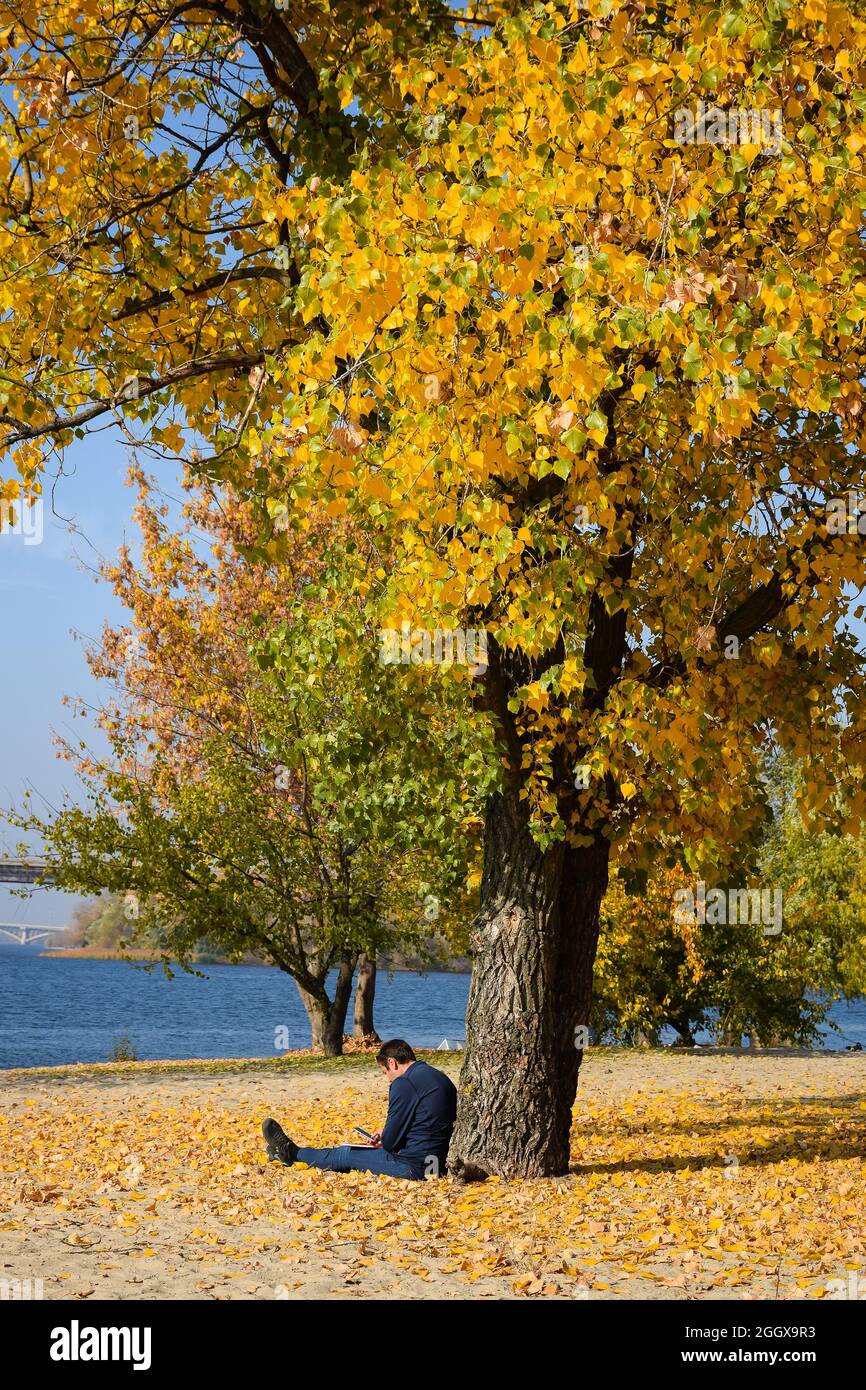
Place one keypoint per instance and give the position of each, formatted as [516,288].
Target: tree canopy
[597,384]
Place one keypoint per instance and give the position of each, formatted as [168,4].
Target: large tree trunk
[534,945]
[328,1016]
[365,993]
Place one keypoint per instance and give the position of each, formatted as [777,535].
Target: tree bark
[534,944]
[328,1016]
[365,994]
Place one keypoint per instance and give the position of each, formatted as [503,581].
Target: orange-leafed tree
[262,800]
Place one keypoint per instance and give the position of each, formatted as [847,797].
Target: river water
[55,1011]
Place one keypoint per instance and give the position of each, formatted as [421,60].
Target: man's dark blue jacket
[422,1106]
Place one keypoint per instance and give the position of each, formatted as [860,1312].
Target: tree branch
[146,386]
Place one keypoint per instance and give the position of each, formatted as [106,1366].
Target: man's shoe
[280,1147]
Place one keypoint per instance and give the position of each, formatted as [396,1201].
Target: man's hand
[374,1140]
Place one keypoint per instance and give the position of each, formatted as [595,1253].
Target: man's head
[395,1058]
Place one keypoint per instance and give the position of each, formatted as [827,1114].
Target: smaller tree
[649,973]
[655,970]
[85,915]
[269,786]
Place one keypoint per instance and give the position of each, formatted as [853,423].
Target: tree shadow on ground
[810,1140]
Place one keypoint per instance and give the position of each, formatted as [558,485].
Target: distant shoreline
[94,953]
[139,954]
[136,953]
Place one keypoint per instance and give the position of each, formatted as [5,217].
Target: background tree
[109,923]
[294,808]
[654,971]
[584,384]
[649,971]
[83,918]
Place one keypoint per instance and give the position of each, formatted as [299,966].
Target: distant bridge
[25,871]
[23,935]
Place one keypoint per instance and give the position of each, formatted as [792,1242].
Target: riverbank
[695,1175]
[97,953]
[459,966]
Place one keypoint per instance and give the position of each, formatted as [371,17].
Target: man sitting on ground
[422,1105]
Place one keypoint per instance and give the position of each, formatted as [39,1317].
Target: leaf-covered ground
[694,1176]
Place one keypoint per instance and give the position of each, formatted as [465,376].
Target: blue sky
[48,594]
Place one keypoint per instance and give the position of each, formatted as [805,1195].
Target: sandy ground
[168,1225]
